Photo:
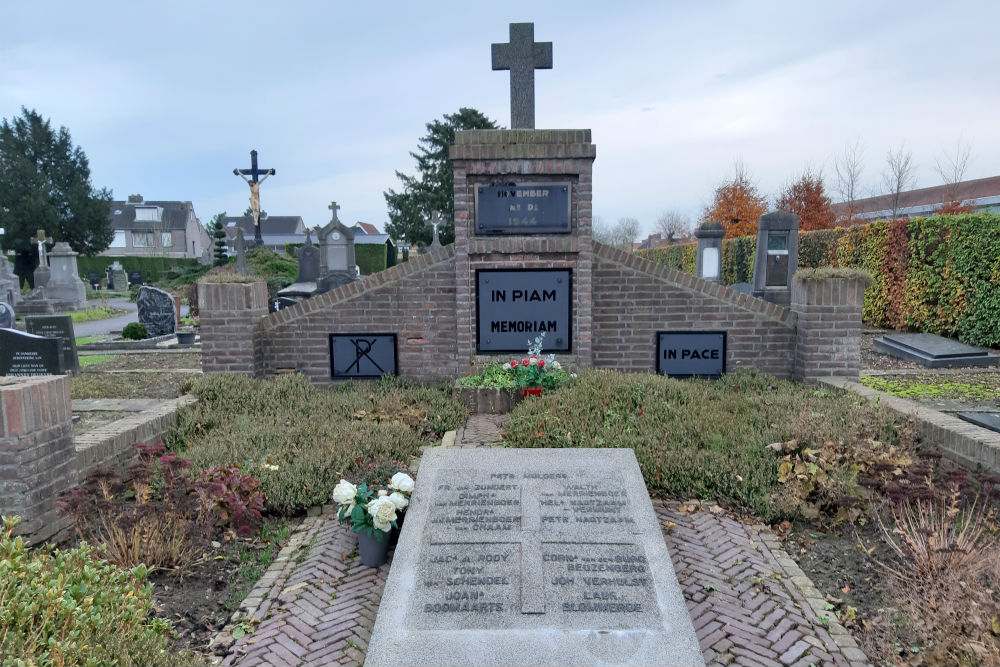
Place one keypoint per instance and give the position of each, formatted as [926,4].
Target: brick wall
[828,338]
[634,298]
[230,317]
[415,300]
[37,461]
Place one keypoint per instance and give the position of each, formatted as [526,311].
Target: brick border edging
[255,606]
[966,444]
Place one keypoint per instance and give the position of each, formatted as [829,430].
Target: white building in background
[156,229]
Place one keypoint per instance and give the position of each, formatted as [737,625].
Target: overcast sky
[167,98]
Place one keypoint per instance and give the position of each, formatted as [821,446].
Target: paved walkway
[751,605]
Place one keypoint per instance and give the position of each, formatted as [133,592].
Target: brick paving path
[750,604]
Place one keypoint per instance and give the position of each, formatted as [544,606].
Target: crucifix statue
[522,56]
[41,240]
[436,221]
[254,183]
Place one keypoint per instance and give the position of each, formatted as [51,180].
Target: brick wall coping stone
[350,291]
[966,444]
[774,312]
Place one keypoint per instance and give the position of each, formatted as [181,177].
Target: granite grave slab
[532,557]
[156,311]
[60,327]
[933,351]
[28,354]
[990,420]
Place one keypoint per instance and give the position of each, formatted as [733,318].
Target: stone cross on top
[334,207]
[522,56]
[436,221]
[41,240]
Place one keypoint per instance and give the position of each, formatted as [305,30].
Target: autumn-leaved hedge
[938,275]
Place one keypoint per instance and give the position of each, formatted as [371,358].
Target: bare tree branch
[673,226]
[898,176]
[952,167]
[848,167]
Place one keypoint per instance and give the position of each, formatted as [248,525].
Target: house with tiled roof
[156,229]
[275,230]
[980,195]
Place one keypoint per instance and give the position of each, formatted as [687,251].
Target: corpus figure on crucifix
[254,183]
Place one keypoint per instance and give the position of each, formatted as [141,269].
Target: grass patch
[697,438]
[970,388]
[312,436]
[83,340]
[96,313]
[95,359]
[255,561]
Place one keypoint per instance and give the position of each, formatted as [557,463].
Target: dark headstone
[514,307]
[933,351]
[156,311]
[308,256]
[360,355]
[691,353]
[990,420]
[94,279]
[57,326]
[28,354]
[6,316]
[134,278]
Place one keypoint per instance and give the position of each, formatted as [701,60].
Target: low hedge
[300,440]
[704,439]
[153,268]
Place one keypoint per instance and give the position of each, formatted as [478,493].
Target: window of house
[119,240]
[166,239]
[142,239]
[147,214]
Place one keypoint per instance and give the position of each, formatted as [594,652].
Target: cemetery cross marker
[254,184]
[522,56]
[435,222]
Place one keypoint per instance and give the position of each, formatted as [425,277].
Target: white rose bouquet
[369,512]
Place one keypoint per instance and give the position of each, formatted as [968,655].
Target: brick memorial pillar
[37,457]
[828,334]
[232,339]
[509,215]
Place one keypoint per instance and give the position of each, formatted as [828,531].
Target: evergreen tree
[45,184]
[218,232]
[433,188]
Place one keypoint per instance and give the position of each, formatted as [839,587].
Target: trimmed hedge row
[152,268]
[939,275]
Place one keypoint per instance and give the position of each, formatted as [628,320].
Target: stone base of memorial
[532,557]
[487,400]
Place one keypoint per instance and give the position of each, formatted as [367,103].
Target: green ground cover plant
[95,359]
[96,313]
[135,331]
[73,608]
[710,439]
[254,561]
[300,440]
[982,387]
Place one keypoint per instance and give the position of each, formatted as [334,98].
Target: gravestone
[777,256]
[933,351]
[119,277]
[990,420]
[61,328]
[435,222]
[6,316]
[532,557]
[10,290]
[42,272]
[337,265]
[708,265]
[134,278]
[65,286]
[28,354]
[94,279]
[156,311]
[305,282]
